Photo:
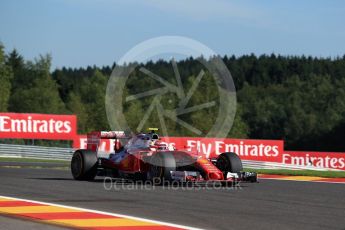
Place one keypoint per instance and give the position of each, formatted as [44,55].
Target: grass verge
[287,172]
[13,159]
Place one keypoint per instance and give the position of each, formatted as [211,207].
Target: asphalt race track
[270,204]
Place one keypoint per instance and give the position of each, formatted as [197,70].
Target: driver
[159,145]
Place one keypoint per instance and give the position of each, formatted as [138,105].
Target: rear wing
[94,138]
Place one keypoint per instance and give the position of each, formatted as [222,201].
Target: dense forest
[296,98]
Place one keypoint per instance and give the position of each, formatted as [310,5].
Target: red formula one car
[144,156]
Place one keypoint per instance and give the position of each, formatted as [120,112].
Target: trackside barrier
[53,153]
[274,165]
[37,152]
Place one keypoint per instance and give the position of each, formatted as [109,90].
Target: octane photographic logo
[111,184]
[170,102]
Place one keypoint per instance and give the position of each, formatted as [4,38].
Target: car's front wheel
[229,162]
[161,165]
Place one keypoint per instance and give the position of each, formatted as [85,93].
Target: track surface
[269,204]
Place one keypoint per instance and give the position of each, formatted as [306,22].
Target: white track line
[105,213]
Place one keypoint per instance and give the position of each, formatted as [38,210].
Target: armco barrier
[274,165]
[38,152]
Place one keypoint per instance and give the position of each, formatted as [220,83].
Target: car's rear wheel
[160,166]
[84,165]
[229,162]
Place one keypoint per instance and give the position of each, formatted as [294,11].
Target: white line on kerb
[105,213]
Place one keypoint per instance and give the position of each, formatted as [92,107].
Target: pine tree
[5,81]
[39,93]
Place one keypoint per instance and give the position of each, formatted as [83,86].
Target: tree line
[296,98]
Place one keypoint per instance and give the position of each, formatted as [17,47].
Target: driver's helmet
[158,145]
[143,141]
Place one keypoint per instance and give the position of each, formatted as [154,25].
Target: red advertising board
[260,150]
[64,127]
[38,126]
[329,160]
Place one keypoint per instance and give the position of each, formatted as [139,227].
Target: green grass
[12,159]
[329,174]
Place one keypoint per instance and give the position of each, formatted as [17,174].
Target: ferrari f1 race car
[145,156]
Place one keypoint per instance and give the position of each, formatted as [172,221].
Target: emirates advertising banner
[322,160]
[64,127]
[38,126]
[260,150]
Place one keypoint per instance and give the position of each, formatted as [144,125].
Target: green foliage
[5,81]
[77,107]
[239,128]
[93,95]
[38,93]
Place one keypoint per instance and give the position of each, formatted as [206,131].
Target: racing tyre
[229,162]
[160,166]
[84,165]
